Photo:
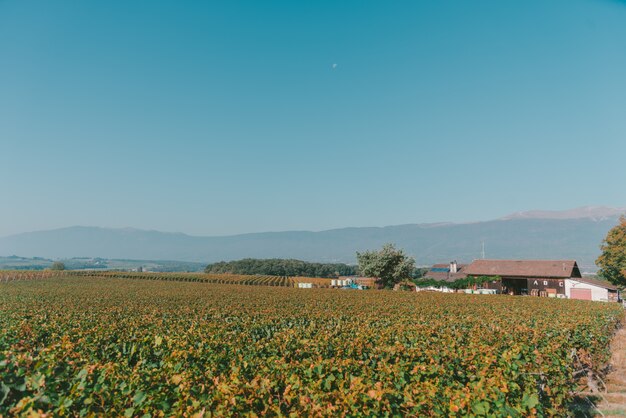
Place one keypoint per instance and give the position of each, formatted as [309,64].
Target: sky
[226,117]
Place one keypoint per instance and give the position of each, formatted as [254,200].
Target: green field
[90,346]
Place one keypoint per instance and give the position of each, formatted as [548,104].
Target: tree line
[281,267]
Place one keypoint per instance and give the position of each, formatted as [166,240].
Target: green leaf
[481,408]
[530,401]
[4,390]
[139,398]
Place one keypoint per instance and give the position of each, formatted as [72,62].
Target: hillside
[519,237]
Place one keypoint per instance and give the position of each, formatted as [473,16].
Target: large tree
[389,265]
[612,261]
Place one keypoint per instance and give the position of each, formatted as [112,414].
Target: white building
[590,289]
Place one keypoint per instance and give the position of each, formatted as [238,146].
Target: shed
[591,289]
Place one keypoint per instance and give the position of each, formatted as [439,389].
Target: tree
[280,267]
[389,265]
[57,265]
[419,272]
[612,261]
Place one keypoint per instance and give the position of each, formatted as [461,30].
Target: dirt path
[614,402]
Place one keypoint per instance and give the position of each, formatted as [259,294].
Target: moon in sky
[334,66]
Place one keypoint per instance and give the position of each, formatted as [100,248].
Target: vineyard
[9,276]
[84,346]
[248,280]
[316,281]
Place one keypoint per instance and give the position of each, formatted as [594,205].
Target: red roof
[524,268]
[597,282]
[442,272]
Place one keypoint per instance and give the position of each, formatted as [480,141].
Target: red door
[582,294]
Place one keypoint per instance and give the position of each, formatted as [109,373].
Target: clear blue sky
[228,117]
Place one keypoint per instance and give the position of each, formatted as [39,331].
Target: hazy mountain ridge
[592,212]
[522,237]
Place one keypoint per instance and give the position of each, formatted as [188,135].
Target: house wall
[494,284]
[597,293]
[540,285]
[533,285]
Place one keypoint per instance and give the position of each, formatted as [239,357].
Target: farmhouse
[446,272]
[551,278]
[555,278]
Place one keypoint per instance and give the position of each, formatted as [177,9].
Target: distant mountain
[530,237]
[593,212]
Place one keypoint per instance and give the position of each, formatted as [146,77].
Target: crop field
[242,279]
[84,346]
[247,280]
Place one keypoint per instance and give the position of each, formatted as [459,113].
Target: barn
[552,278]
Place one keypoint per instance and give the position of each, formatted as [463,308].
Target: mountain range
[572,234]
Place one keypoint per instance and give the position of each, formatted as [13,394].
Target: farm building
[591,289]
[542,278]
[552,278]
[366,282]
[446,272]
